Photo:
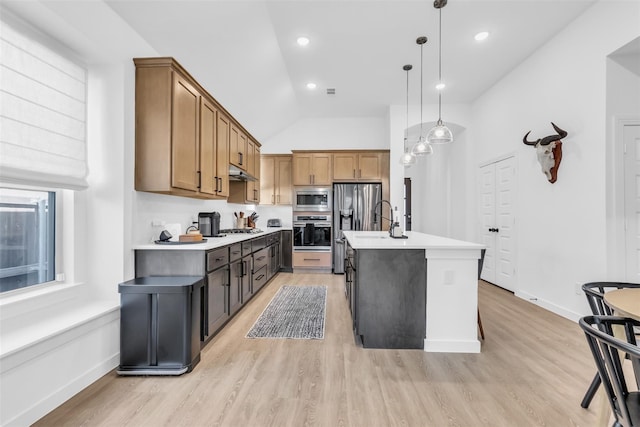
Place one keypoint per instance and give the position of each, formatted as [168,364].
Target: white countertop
[212,242]
[415,240]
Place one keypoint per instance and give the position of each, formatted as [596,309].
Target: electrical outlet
[578,288]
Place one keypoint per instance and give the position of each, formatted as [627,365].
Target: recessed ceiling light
[440,86]
[302,41]
[311,85]
[481,36]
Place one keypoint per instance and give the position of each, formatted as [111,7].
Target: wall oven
[312,233]
[316,199]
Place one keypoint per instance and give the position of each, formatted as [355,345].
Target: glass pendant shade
[439,134]
[421,148]
[407,159]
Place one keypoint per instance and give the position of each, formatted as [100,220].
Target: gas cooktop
[241,230]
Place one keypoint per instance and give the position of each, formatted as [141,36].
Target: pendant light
[407,158]
[440,134]
[422,147]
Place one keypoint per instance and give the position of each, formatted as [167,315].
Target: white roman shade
[42,112]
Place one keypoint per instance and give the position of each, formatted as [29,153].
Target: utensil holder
[241,223]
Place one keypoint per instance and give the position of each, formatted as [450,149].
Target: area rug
[294,312]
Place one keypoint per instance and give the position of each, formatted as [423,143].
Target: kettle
[209,223]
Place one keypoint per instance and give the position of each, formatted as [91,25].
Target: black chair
[609,352]
[480,264]
[595,297]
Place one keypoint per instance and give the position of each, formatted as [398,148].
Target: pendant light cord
[407,129]
[440,69]
[421,68]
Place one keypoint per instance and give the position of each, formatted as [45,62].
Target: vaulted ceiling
[245,52]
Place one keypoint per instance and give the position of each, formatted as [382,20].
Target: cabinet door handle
[260,277]
[219,259]
[312,259]
[240,158]
[198,177]
[273,199]
[354,173]
[359,173]
[261,258]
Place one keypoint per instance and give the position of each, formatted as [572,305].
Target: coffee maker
[209,223]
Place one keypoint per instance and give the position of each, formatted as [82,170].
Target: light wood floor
[533,370]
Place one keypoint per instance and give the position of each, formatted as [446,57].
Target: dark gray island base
[387,293]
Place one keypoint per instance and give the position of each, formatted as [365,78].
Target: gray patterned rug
[294,312]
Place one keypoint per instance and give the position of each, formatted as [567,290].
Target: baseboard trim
[446,346]
[547,305]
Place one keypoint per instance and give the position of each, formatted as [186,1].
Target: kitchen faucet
[390,219]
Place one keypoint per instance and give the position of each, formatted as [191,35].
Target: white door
[631,137]
[497,195]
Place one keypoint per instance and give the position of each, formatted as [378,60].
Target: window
[43,97]
[27,238]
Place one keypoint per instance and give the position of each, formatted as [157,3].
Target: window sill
[21,341]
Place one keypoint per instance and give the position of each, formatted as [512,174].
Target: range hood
[236,174]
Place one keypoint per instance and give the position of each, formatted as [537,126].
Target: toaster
[274,222]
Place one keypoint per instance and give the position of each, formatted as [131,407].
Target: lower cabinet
[217,301]
[260,268]
[235,286]
[233,273]
[247,283]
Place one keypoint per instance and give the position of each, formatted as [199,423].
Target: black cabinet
[286,251]
[233,274]
[260,268]
[160,325]
[217,307]
[387,292]
[247,279]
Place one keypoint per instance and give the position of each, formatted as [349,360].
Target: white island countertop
[211,243]
[414,240]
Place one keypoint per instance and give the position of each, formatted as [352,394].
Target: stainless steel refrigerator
[352,210]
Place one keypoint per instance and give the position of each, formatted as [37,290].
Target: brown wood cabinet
[178,146]
[275,179]
[248,191]
[362,166]
[312,168]
[238,148]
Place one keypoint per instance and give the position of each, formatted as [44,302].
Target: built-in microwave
[316,199]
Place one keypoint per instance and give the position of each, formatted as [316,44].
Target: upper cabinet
[248,191]
[275,179]
[238,148]
[361,166]
[312,168]
[185,140]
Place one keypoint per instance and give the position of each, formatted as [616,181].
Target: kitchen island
[416,292]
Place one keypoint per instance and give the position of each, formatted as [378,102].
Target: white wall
[439,187]
[341,133]
[561,227]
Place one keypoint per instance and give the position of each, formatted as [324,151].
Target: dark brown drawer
[260,259]
[259,277]
[217,258]
[235,252]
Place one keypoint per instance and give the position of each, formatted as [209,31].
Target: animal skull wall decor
[549,151]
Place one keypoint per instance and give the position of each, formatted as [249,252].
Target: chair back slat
[595,291]
[609,352]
